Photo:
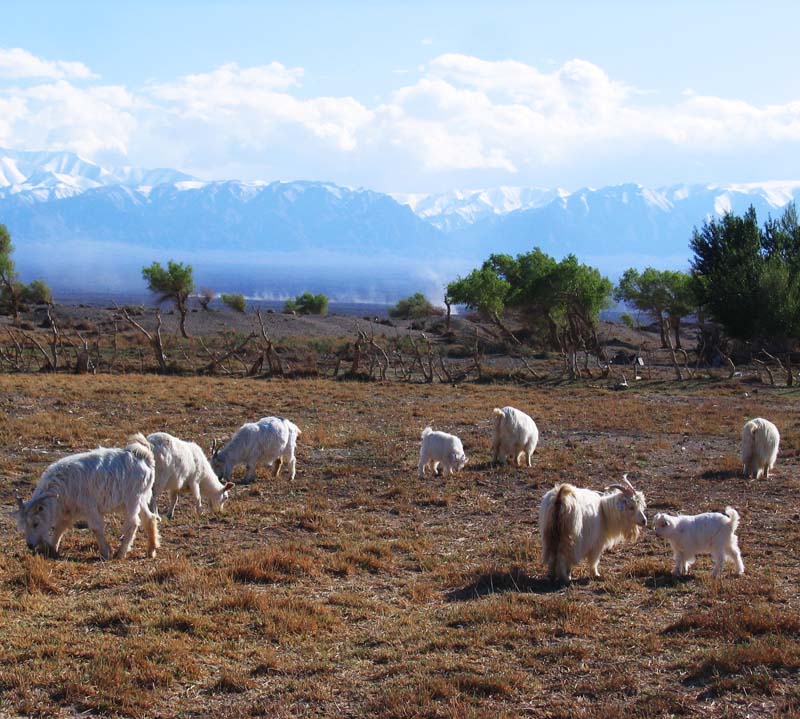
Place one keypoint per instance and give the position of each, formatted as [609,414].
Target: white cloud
[461,119]
[506,114]
[17,63]
[248,104]
[60,115]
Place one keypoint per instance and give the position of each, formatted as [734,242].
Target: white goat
[440,448]
[760,440]
[269,441]
[578,524]
[182,467]
[708,533]
[515,436]
[88,486]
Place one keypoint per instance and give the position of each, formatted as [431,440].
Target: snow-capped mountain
[41,176]
[611,227]
[458,208]
[73,221]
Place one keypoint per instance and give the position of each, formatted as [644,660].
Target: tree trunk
[12,296]
[675,323]
[183,310]
[678,373]
[664,344]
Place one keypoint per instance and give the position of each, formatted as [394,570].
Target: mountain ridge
[71,219]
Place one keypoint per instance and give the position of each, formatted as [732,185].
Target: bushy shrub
[235,301]
[414,307]
[307,304]
[38,293]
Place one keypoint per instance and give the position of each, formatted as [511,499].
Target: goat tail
[557,534]
[733,515]
[426,432]
[140,447]
[497,417]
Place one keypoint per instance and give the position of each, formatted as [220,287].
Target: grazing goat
[515,435]
[711,533]
[182,467]
[760,440]
[269,441]
[578,524]
[88,486]
[440,448]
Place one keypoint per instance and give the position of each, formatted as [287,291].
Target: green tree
[11,298]
[174,283]
[558,301]
[307,304]
[235,301]
[483,290]
[414,307]
[748,277]
[13,293]
[667,295]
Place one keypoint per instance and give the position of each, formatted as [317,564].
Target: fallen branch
[216,361]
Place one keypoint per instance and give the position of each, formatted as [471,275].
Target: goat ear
[229,485]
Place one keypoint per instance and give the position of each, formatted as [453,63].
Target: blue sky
[411,96]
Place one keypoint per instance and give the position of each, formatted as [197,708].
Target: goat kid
[440,448]
[711,533]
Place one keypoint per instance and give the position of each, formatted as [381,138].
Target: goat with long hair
[578,524]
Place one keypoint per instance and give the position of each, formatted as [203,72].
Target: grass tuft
[36,576]
[231,683]
[273,565]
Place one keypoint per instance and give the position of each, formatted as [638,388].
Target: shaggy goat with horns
[578,524]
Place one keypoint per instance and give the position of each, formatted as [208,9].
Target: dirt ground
[360,590]
[217,320]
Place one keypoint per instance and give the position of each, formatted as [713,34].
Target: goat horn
[19,501]
[627,491]
[625,479]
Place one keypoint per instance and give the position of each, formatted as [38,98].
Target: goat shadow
[718,475]
[514,580]
[665,579]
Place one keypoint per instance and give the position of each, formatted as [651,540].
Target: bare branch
[154,339]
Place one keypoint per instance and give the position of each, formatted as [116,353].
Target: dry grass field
[359,590]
